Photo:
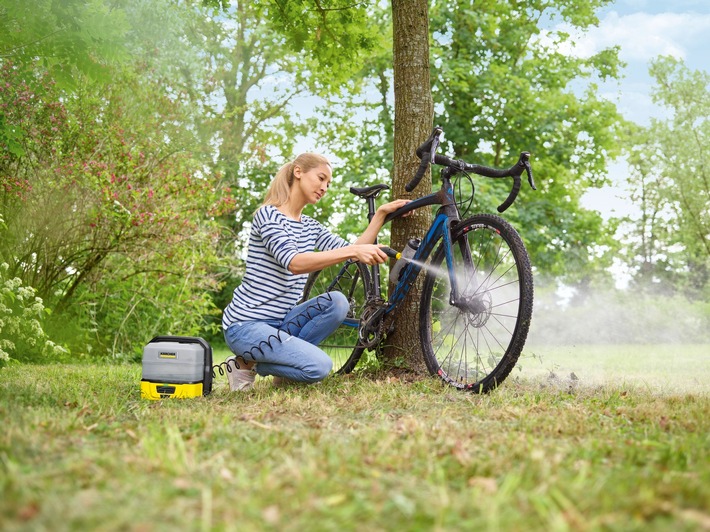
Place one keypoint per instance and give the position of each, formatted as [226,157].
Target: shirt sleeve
[274,236]
[325,240]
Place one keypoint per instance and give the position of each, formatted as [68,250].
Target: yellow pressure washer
[176,366]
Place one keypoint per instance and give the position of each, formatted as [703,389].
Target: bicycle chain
[372,324]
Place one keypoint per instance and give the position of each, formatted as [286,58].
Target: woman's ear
[296,171]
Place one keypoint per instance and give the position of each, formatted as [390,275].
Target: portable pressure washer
[176,366]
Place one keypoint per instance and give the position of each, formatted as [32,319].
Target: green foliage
[335,35]
[357,126]
[22,314]
[139,306]
[107,198]
[669,241]
[71,39]
[502,86]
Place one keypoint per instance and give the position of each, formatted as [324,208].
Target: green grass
[662,368]
[79,450]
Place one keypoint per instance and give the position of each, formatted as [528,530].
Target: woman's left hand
[392,206]
[370,234]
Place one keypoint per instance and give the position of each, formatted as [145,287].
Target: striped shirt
[269,290]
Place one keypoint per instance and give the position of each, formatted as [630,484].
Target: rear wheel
[474,343]
[353,280]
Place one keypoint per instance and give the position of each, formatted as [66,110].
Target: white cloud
[641,36]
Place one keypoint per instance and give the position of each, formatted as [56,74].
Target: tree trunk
[413,116]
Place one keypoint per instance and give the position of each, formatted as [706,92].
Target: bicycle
[475,309]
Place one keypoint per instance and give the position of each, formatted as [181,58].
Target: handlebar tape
[424,153]
[420,173]
[513,194]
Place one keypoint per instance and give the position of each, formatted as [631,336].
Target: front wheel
[473,339]
[353,280]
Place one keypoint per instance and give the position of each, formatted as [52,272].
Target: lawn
[664,368]
[80,450]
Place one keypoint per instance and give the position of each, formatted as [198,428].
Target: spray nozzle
[391,252]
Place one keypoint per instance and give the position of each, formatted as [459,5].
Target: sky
[644,29]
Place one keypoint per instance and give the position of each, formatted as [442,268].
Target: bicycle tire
[474,346]
[353,280]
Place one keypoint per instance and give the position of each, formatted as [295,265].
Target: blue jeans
[287,348]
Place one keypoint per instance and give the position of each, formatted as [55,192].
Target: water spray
[405,257]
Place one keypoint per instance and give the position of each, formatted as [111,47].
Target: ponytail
[280,188]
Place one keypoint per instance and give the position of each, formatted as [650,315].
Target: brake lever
[434,146]
[528,168]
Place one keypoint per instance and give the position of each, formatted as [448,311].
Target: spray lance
[402,258]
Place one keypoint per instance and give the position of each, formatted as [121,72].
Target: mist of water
[643,337]
[438,271]
[617,317]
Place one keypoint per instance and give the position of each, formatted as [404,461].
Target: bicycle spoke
[477,338]
[350,279]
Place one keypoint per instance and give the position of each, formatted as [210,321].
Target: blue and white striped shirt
[269,290]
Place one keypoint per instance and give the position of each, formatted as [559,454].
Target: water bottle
[407,253]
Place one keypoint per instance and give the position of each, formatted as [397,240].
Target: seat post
[374,268]
[370,193]
[370,208]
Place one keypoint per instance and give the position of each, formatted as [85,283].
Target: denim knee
[341,305]
[318,368]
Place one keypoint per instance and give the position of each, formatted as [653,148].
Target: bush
[108,214]
[22,337]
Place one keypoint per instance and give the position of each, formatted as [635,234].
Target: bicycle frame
[473,341]
[440,228]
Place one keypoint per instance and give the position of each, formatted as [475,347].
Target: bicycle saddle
[369,192]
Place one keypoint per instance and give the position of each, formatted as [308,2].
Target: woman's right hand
[368,254]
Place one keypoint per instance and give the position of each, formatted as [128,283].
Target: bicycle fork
[467,297]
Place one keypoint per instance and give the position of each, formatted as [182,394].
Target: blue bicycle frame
[447,216]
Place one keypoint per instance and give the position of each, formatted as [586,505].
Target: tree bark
[413,116]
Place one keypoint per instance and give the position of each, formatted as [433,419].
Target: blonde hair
[280,188]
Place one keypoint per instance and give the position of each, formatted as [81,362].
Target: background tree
[264,63]
[356,124]
[503,85]
[670,241]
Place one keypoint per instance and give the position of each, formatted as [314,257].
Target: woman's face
[314,183]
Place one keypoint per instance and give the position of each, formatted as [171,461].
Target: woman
[263,327]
